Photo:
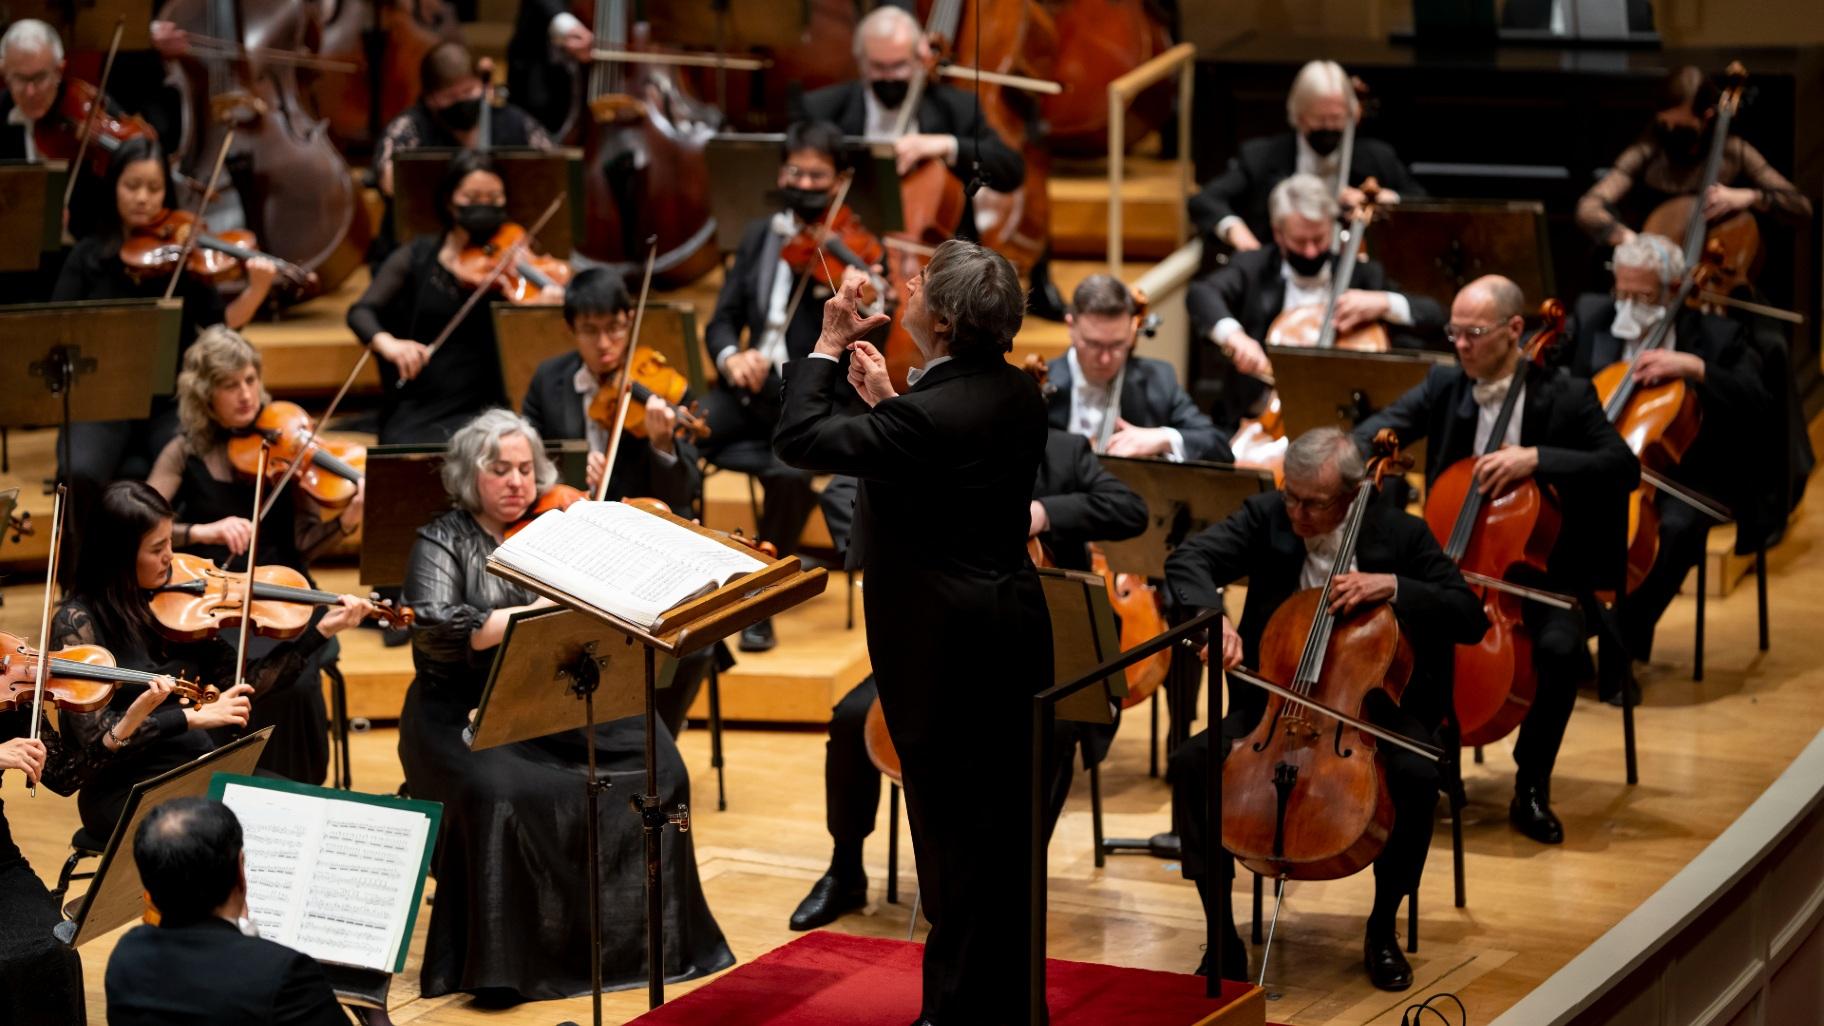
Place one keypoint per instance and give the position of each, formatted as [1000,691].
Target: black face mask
[1307,266]
[481,220]
[1324,141]
[891,92]
[1682,144]
[460,116]
[808,204]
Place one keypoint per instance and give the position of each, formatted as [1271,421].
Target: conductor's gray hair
[31,34]
[978,292]
[1318,448]
[885,22]
[1655,252]
[1318,79]
[1303,194]
[477,444]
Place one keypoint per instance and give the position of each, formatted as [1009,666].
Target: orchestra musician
[512,898]
[1074,502]
[205,961]
[1124,403]
[219,396]
[127,556]
[941,524]
[755,301]
[1560,439]
[542,57]
[451,92]
[1234,306]
[1282,542]
[1234,209]
[416,294]
[1668,161]
[1714,357]
[31,56]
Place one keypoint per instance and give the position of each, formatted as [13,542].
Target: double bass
[385,40]
[1737,236]
[806,44]
[1098,41]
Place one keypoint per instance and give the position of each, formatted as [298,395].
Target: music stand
[745,168]
[532,179]
[1083,634]
[728,610]
[31,207]
[1339,388]
[115,896]
[538,332]
[1454,242]
[405,492]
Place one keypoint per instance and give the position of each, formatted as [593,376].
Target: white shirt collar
[917,374]
[585,381]
[1302,283]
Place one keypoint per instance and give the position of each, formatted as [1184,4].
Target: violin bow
[506,260]
[253,546]
[829,219]
[626,383]
[95,109]
[202,203]
[44,621]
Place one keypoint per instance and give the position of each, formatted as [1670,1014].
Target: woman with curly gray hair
[512,899]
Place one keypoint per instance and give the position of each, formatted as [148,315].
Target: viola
[558,496]
[200,599]
[524,280]
[81,678]
[1314,325]
[1303,795]
[58,136]
[152,251]
[332,471]
[652,375]
[1497,539]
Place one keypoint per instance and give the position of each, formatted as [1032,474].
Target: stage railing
[1121,92]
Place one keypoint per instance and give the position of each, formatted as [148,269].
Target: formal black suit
[1252,289]
[959,636]
[539,78]
[1589,466]
[1731,460]
[209,972]
[942,110]
[1436,611]
[1150,397]
[1242,187]
[555,408]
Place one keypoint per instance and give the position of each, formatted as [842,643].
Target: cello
[1314,325]
[1738,235]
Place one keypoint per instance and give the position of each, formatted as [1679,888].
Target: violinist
[1074,501]
[1668,161]
[1560,439]
[451,92]
[31,55]
[1282,542]
[1125,404]
[1234,209]
[1730,460]
[512,899]
[219,396]
[127,556]
[756,301]
[416,294]
[1235,306]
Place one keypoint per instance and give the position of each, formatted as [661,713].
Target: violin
[652,375]
[1314,326]
[524,280]
[558,496]
[81,678]
[58,135]
[201,599]
[842,234]
[1682,217]
[152,251]
[1494,539]
[1303,795]
[332,471]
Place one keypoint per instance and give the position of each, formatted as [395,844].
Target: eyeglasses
[1294,501]
[1455,332]
[1639,297]
[20,83]
[813,177]
[1104,348]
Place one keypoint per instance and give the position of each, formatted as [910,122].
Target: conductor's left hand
[843,320]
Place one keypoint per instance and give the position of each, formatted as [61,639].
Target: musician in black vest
[941,524]
[1232,208]
[1560,439]
[756,301]
[1285,541]
[1731,461]
[1152,415]
[1235,306]
[1074,502]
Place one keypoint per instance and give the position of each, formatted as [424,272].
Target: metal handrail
[1121,92]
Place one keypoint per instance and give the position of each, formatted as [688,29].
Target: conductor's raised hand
[843,319]
[868,373]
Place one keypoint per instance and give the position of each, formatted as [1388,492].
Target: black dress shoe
[1612,696]
[758,637]
[1386,963]
[1234,959]
[830,897]
[1531,813]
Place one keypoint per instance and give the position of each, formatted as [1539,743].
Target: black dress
[412,297]
[510,917]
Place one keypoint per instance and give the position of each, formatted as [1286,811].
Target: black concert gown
[40,976]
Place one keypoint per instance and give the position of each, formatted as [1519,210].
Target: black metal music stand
[532,179]
[1340,388]
[1445,244]
[745,168]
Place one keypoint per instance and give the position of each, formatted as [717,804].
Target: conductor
[957,626]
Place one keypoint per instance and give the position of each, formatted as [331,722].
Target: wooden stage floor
[1706,751]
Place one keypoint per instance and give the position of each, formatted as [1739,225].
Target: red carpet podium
[833,979]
